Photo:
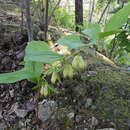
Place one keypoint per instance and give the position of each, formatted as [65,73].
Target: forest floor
[98,98]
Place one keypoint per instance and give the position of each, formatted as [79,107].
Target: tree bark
[28,20]
[78,14]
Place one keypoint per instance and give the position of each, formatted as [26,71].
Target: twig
[49,19]
[108,3]
[113,47]
[93,4]
[46,21]
[37,106]
[22,14]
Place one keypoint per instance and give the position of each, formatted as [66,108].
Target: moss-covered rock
[106,85]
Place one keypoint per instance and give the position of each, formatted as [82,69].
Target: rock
[47,110]
[3,126]
[20,55]
[11,92]
[70,115]
[128,123]
[21,112]
[88,102]
[6,60]
[78,118]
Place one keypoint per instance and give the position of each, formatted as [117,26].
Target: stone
[78,118]
[88,102]
[21,112]
[128,123]
[3,126]
[70,115]
[47,110]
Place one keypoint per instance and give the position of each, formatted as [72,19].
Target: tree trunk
[28,20]
[78,14]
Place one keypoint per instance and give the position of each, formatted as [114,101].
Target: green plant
[64,19]
[39,53]
[113,27]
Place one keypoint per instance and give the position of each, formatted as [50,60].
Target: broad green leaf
[105,34]
[38,51]
[15,76]
[93,32]
[71,41]
[36,68]
[37,46]
[42,56]
[118,19]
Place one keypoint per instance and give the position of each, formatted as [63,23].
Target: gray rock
[21,112]
[78,118]
[47,110]
[88,102]
[70,115]
[128,122]
[3,126]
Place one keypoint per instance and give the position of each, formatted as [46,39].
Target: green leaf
[105,34]
[71,41]
[36,68]
[42,56]
[127,48]
[37,46]
[118,19]
[15,76]
[40,52]
[93,32]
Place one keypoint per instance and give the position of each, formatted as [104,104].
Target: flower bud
[81,63]
[44,90]
[53,77]
[65,71]
[78,63]
[68,71]
[75,62]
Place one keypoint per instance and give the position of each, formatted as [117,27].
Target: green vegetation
[89,72]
